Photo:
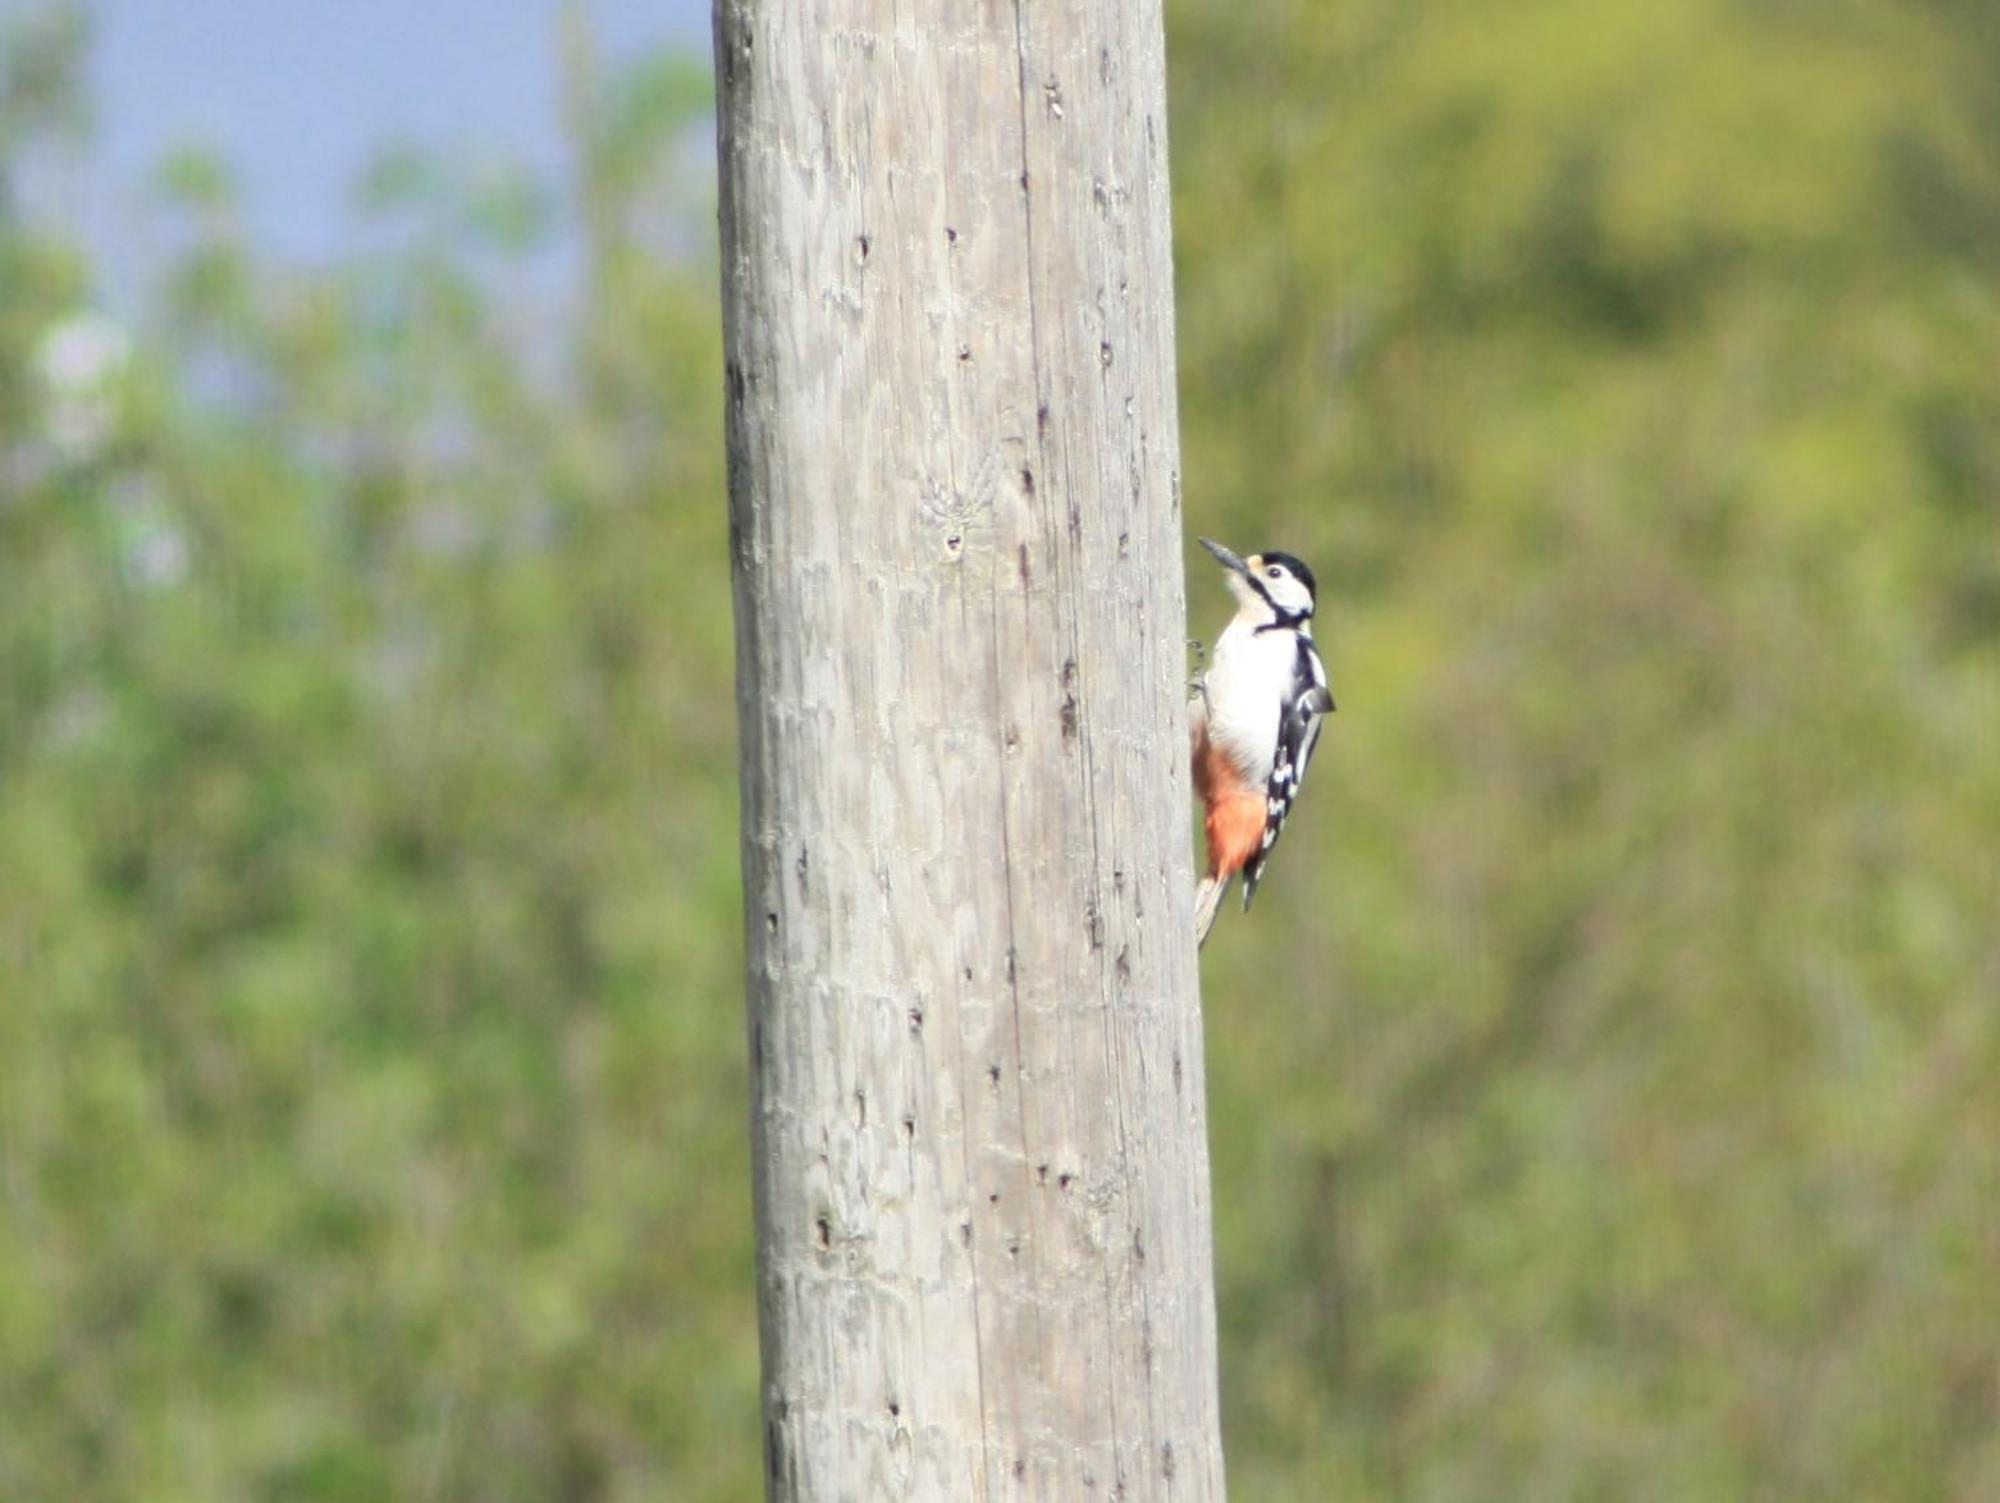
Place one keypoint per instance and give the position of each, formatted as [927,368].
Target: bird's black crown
[1298,568]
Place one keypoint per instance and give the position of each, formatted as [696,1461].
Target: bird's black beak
[1224,557]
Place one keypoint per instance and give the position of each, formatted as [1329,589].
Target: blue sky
[298,93]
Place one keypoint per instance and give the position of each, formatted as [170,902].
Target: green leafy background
[1606,1088]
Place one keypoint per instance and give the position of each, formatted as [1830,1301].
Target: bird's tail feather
[1207,901]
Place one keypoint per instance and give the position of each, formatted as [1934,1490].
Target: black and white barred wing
[1298,734]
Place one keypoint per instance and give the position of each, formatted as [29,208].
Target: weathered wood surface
[976,1052]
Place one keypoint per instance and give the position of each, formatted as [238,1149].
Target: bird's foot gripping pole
[1199,651]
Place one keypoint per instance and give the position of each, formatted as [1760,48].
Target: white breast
[1247,683]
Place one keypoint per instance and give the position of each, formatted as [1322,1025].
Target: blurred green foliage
[1607,1102]
[371,1116]
[1606,1088]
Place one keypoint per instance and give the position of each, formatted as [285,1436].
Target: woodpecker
[1254,720]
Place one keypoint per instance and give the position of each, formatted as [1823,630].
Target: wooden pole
[980,1135]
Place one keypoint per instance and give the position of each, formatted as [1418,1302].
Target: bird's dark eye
[1276,571]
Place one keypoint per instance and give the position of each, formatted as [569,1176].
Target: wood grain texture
[976,1055]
